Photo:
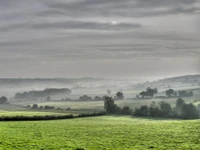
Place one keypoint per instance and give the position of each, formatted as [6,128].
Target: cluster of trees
[42,94]
[183,93]
[181,110]
[35,106]
[163,109]
[149,93]
[3,100]
[119,96]
[85,98]
[112,108]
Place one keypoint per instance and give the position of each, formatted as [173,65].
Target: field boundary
[48,117]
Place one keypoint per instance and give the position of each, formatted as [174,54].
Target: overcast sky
[99,38]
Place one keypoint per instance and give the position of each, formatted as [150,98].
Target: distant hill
[174,82]
[44,82]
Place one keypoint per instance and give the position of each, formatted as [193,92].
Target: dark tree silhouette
[3,100]
[119,95]
[171,93]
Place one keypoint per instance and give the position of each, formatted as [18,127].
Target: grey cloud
[61,31]
[86,25]
[82,25]
[130,8]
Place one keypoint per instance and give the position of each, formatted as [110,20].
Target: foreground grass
[106,132]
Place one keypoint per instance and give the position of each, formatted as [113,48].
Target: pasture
[101,133]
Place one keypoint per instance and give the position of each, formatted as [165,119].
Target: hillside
[180,82]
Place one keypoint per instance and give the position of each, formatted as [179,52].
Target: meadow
[101,133]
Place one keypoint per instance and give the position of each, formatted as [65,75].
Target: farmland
[107,132]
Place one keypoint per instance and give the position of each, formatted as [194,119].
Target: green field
[101,133]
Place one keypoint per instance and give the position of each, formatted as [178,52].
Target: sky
[99,38]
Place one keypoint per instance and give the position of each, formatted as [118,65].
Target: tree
[35,106]
[165,108]
[97,98]
[110,106]
[142,94]
[189,111]
[184,93]
[126,110]
[3,100]
[142,111]
[120,95]
[85,98]
[151,92]
[179,103]
[171,93]
[154,110]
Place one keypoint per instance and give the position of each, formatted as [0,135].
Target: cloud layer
[41,34]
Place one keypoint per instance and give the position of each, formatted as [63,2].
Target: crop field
[101,133]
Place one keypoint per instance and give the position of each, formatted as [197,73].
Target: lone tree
[3,100]
[171,93]
[149,93]
[119,95]
[110,106]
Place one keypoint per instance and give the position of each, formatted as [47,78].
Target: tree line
[181,110]
[41,94]
[151,92]
[118,96]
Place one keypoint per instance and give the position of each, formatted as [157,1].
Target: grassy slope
[101,133]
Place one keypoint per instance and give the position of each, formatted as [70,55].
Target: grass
[101,133]
[29,113]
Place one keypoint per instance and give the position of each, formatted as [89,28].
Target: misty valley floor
[108,132]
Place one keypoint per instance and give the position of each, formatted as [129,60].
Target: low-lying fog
[94,86]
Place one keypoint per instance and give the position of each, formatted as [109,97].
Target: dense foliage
[42,94]
[164,109]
